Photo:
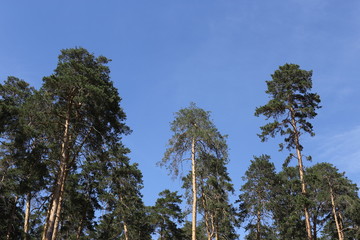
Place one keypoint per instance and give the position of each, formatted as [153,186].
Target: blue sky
[217,54]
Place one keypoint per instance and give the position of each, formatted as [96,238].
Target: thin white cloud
[342,150]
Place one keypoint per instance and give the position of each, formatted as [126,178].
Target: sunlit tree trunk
[126,232]
[50,229]
[27,215]
[58,210]
[337,220]
[193,168]
[258,215]
[301,172]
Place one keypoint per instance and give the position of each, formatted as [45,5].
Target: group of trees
[65,174]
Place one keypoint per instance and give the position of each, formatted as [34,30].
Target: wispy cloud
[342,150]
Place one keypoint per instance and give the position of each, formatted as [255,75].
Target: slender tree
[291,106]
[194,133]
[256,196]
[214,189]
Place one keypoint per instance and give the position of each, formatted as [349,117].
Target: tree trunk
[80,228]
[193,228]
[258,215]
[301,173]
[50,229]
[303,191]
[209,233]
[126,232]
[27,216]
[58,210]
[337,222]
[314,228]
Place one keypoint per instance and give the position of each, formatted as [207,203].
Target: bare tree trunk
[193,228]
[58,210]
[126,232]
[258,221]
[301,173]
[27,216]
[80,228]
[337,222]
[303,191]
[50,229]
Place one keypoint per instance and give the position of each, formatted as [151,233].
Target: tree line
[65,173]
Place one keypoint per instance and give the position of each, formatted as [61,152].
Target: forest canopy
[66,174]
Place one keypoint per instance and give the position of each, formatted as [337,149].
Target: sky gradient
[218,54]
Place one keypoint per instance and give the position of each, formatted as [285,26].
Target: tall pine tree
[81,117]
[194,134]
[291,106]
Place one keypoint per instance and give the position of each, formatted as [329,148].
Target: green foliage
[200,231]
[214,189]
[287,205]
[123,200]
[255,199]
[166,214]
[291,99]
[22,169]
[74,123]
[327,180]
[192,123]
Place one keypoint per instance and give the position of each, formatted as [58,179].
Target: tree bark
[209,232]
[337,222]
[193,168]
[126,232]
[301,173]
[27,216]
[50,229]
[80,228]
[58,210]
[258,215]
[303,191]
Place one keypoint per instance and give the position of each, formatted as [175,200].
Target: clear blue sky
[217,54]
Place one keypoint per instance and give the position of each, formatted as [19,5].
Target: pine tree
[286,205]
[340,197]
[80,116]
[291,105]
[166,214]
[126,216]
[23,172]
[214,189]
[256,196]
[194,133]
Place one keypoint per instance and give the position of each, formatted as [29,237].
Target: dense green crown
[291,99]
